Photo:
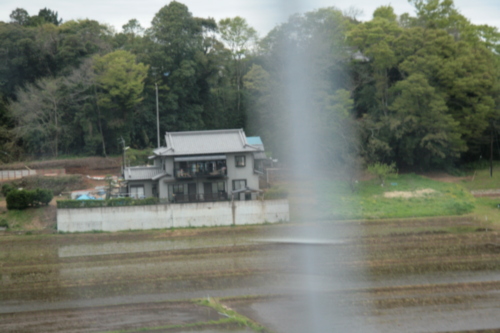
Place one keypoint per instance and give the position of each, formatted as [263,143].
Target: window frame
[243,159]
[178,186]
[239,180]
[218,187]
[136,194]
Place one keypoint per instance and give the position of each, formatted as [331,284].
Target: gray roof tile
[143,172]
[205,142]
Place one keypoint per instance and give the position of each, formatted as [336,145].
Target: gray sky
[263,15]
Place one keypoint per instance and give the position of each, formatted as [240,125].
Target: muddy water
[106,276]
[149,246]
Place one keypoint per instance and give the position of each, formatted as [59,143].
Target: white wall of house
[163,186]
[233,173]
[172,215]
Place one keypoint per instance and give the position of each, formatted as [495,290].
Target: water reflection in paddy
[105,248]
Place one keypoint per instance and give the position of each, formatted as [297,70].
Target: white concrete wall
[14,174]
[172,215]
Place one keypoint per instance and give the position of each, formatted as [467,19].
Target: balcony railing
[189,174]
[206,197]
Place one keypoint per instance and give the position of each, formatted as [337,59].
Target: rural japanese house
[200,166]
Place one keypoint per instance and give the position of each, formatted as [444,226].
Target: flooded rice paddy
[431,275]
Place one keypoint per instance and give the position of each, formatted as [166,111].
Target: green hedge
[106,203]
[22,199]
[6,188]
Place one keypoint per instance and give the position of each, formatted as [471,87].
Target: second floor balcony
[209,167]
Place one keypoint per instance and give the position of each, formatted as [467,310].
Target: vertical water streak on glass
[320,278]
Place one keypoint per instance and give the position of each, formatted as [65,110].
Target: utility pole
[157,116]
[123,158]
[491,147]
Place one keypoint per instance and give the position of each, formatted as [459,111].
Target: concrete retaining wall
[15,174]
[172,215]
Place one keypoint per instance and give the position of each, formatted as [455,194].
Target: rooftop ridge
[205,132]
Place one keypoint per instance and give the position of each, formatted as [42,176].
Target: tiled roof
[205,142]
[143,172]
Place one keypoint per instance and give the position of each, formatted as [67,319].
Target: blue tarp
[85,197]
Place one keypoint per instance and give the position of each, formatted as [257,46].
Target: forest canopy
[421,91]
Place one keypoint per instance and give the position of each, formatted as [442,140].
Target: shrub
[382,171]
[6,188]
[4,223]
[42,197]
[18,199]
[460,207]
[22,199]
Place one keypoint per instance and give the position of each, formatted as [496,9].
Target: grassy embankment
[406,196]
[480,179]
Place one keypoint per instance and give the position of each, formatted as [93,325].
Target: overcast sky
[263,15]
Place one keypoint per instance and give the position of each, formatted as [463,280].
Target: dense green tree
[20,16]
[240,38]
[304,67]
[419,89]
[180,56]
[119,82]
[440,45]
[423,130]
[49,16]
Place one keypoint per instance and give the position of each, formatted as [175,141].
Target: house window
[137,192]
[178,189]
[218,187]
[240,161]
[239,184]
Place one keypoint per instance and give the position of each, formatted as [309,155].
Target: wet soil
[98,319]
[418,275]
